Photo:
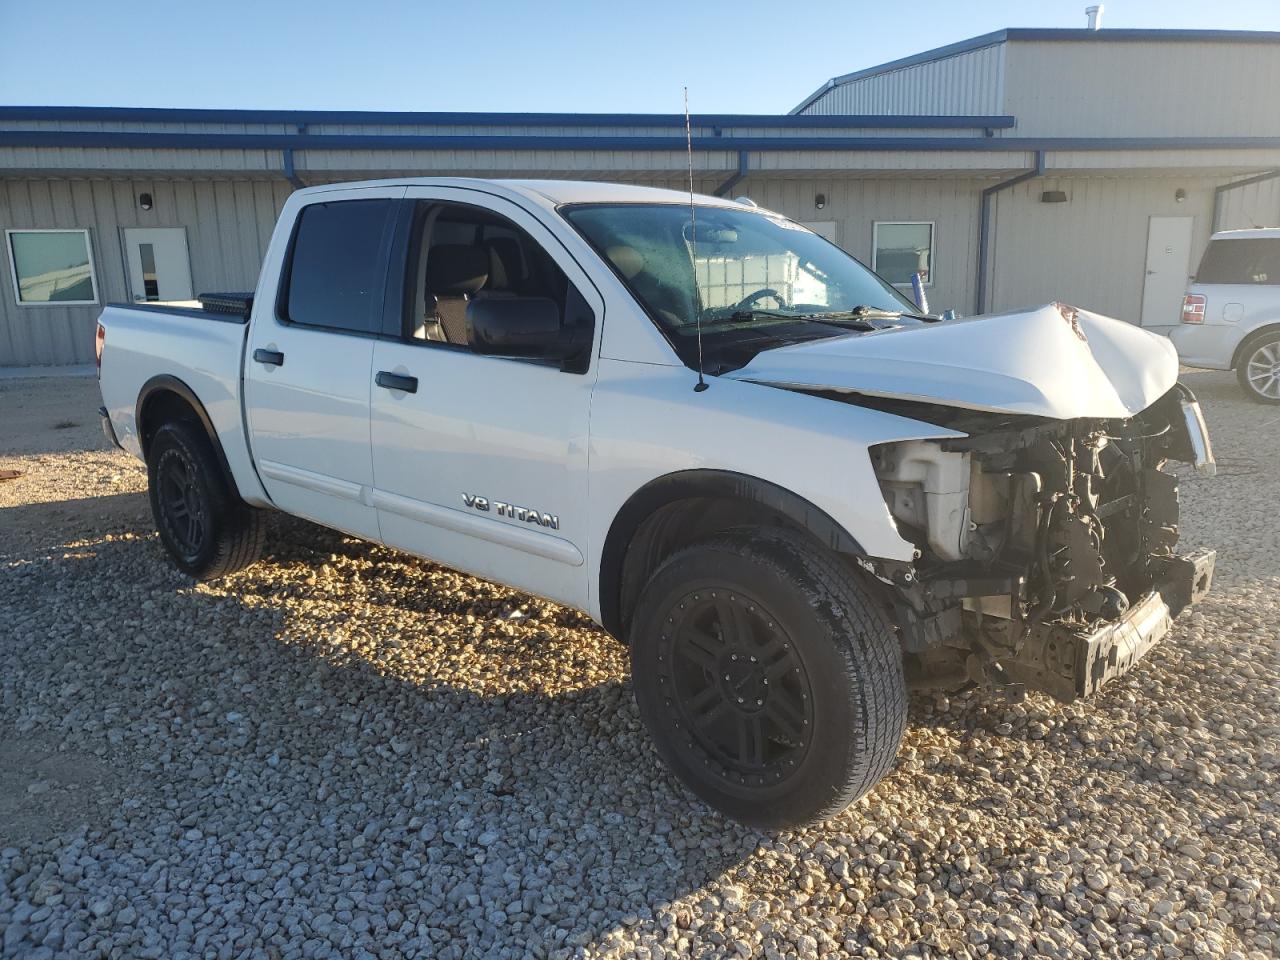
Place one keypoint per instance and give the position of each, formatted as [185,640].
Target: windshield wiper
[857,315]
[867,312]
[746,316]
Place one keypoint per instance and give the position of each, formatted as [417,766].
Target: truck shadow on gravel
[315,742]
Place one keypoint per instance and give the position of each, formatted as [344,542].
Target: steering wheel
[749,301]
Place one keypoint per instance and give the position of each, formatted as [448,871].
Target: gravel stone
[346,752]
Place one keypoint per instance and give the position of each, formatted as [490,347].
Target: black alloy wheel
[184,508]
[737,686]
[204,525]
[769,675]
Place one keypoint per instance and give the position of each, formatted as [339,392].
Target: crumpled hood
[1051,361]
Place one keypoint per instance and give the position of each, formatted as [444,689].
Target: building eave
[711,121]
[307,141]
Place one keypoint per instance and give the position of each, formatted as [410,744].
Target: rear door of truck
[307,372]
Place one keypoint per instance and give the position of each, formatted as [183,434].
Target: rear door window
[338,265]
[1253,261]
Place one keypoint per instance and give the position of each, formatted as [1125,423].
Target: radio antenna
[693,239]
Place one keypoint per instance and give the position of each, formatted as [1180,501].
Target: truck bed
[153,347]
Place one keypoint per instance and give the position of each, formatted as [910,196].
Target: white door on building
[1168,267]
[159,267]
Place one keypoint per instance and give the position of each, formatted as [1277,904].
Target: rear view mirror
[711,233]
[516,327]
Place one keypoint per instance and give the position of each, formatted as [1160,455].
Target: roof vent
[1094,13]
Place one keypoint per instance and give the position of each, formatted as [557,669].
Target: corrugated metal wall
[1152,89]
[1257,205]
[228,224]
[1090,251]
[965,84]
[856,204]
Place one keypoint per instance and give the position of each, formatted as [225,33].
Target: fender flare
[710,484]
[167,383]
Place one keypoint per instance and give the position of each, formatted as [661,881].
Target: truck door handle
[395,381]
[273,358]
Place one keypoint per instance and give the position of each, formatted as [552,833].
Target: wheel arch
[1250,339]
[679,508]
[163,399]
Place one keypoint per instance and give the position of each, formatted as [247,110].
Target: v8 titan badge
[523,514]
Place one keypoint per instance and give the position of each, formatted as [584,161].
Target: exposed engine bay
[1045,547]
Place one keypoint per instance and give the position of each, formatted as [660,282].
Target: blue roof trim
[673,120]
[1046,34]
[299,141]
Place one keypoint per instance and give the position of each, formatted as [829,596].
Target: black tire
[207,529]
[1257,358]
[829,727]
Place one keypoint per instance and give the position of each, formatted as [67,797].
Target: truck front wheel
[207,529]
[768,676]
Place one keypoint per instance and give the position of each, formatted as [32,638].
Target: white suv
[1231,313]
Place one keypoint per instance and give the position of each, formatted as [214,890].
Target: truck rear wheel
[768,676]
[207,529]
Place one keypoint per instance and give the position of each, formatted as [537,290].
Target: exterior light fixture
[1179,196]
[1053,196]
[820,201]
[144,201]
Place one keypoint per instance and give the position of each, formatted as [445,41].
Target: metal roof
[1046,34]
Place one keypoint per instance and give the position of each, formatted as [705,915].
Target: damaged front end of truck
[1045,525]
[1046,548]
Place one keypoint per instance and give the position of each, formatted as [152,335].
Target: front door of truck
[480,461]
[308,359]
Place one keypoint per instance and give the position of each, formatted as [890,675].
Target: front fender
[647,422]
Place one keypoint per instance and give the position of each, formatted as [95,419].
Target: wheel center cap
[740,682]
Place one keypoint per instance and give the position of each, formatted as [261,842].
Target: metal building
[1013,168]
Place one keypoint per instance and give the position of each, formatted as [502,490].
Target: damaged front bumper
[1197,434]
[1068,664]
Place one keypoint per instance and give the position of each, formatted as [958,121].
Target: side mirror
[516,327]
[917,291]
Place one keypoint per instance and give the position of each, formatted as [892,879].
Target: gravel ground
[346,752]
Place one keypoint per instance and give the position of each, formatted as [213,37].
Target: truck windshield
[733,269]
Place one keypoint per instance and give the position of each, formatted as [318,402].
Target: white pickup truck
[716,433]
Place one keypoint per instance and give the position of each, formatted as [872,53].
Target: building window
[901,248]
[53,267]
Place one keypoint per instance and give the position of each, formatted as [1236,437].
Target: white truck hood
[1051,361]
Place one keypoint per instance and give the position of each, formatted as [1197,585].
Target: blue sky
[744,57]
